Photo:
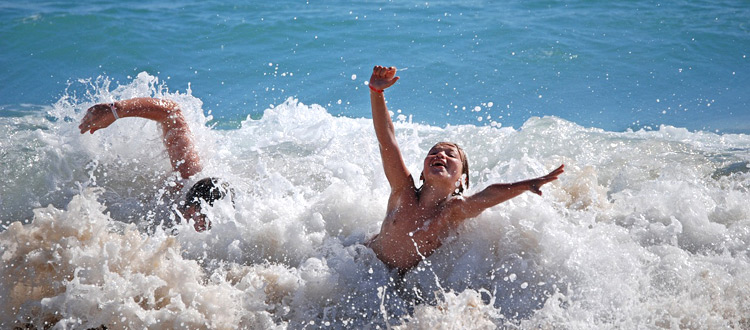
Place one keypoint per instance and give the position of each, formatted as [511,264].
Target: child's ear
[464,181]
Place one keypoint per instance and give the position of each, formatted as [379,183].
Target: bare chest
[410,218]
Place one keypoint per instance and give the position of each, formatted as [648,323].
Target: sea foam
[646,228]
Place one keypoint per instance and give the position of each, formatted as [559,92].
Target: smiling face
[446,162]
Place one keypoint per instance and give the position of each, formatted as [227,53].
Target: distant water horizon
[621,66]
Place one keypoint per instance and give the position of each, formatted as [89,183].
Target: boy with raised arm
[177,139]
[418,219]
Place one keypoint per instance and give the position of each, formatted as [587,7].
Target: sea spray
[646,228]
[78,268]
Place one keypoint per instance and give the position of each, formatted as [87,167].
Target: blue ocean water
[645,103]
[612,66]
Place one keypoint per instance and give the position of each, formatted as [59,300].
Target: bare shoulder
[403,196]
[464,207]
[456,207]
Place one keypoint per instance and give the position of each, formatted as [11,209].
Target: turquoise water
[612,66]
[644,102]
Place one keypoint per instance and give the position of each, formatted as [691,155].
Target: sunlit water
[631,64]
[645,102]
[646,229]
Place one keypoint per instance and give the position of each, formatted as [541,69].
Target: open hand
[536,184]
[383,77]
[97,117]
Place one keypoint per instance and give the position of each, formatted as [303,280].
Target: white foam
[645,229]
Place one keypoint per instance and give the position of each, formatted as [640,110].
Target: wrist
[373,89]
[113,108]
[533,186]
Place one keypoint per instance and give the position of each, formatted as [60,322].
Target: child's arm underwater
[177,137]
[395,169]
[497,193]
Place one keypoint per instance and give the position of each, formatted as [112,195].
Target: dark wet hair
[209,190]
[464,165]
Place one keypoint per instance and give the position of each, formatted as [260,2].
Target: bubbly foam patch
[644,229]
[79,268]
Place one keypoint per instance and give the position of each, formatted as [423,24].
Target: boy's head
[207,190]
[460,154]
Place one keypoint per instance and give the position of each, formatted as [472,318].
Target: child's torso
[411,232]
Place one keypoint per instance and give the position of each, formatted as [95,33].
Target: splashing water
[645,228]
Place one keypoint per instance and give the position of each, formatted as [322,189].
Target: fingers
[87,128]
[389,73]
[383,77]
[554,174]
[93,120]
[559,170]
[391,82]
[84,126]
[87,121]
[535,189]
[384,72]
[536,184]
[382,69]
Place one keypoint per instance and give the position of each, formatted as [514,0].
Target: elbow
[165,106]
[171,108]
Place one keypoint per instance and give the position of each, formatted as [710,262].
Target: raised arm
[177,138]
[497,193]
[393,163]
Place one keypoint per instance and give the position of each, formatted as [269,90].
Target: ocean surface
[645,102]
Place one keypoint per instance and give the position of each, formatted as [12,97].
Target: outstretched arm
[498,193]
[393,163]
[176,133]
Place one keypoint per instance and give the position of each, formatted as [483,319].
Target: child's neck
[430,195]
